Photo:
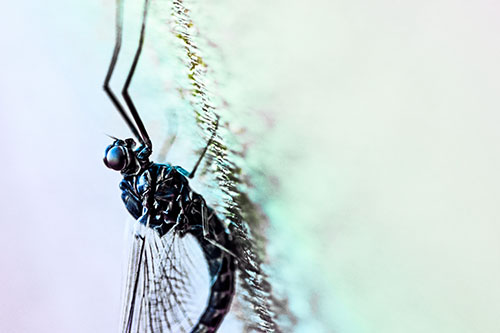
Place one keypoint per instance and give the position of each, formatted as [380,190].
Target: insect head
[121,156]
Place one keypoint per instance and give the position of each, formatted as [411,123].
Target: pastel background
[376,121]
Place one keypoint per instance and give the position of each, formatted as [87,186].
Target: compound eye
[116,158]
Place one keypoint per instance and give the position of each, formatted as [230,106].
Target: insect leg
[214,243]
[111,68]
[192,173]
[206,233]
[125,93]
[130,317]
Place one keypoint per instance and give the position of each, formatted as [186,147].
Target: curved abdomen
[222,269]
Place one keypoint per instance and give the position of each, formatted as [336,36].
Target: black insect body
[159,197]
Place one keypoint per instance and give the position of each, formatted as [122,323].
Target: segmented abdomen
[222,271]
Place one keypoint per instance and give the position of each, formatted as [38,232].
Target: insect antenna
[111,136]
[125,92]
[111,68]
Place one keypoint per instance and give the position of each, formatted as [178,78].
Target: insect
[169,215]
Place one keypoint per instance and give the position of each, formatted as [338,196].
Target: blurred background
[371,133]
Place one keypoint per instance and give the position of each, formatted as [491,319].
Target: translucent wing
[167,284]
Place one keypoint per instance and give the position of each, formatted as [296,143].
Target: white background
[379,120]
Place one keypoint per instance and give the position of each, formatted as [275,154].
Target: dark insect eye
[116,158]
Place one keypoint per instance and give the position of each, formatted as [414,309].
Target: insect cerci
[171,220]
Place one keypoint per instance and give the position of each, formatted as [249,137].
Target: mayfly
[166,210]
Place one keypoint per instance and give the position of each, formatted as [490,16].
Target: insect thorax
[162,193]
